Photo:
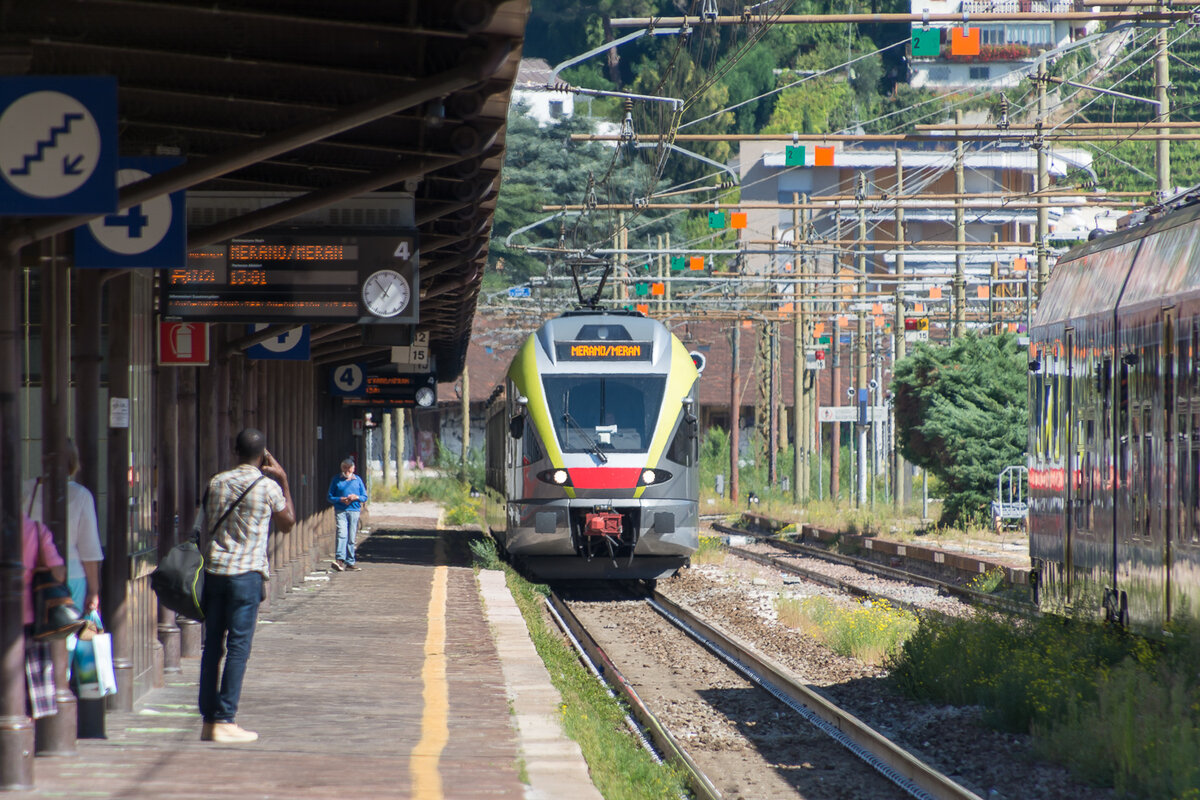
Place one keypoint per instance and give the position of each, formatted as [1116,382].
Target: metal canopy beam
[191,174]
[273,215]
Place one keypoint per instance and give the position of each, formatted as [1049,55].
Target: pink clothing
[37,550]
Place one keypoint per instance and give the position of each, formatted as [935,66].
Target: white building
[766,178]
[546,106]
[1008,50]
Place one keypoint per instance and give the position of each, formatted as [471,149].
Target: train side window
[531,446]
[1035,403]
[682,445]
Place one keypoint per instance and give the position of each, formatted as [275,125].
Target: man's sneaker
[353,567]
[338,565]
[226,733]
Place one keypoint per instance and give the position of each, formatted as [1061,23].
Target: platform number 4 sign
[403,250]
[348,380]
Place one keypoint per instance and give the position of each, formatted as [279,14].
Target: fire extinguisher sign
[183,344]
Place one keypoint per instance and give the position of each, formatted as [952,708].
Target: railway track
[865,565]
[624,639]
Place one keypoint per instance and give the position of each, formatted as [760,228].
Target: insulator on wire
[627,126]
[1002,123]
[708,12]
[590,197]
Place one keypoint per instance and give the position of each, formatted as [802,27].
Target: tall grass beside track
[1117,709]
[619,767]
[870,632]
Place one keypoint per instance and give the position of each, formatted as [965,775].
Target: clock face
[386,293]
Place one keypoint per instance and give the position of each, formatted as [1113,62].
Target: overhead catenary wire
[931,176]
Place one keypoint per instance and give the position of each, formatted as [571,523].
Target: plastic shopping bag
[92,664]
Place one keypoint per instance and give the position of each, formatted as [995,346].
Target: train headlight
[650,477]
[558,477]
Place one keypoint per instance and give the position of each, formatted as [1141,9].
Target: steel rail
[889,759]
[817,577]
[867,565]
[663,740]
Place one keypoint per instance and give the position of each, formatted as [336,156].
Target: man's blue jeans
[230,605]
[347,530]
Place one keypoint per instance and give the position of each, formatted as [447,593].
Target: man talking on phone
[235,516]
[347,495]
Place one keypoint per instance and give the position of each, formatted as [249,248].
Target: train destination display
[316,277]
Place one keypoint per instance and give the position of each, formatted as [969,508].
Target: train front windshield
[612,413]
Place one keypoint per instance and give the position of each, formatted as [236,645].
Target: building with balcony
[1008,51]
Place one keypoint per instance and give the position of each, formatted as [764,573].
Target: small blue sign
[846,338]
[293,345]
[348,380]
[518,291]
[862,406]
[58,145]
[149,234]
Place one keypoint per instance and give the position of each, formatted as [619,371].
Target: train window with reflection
[612,413]
[683,445]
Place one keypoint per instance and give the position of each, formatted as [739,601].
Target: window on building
[980,73]
[991,34]
[556,108]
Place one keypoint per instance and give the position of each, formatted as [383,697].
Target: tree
[961,413]
[542,167]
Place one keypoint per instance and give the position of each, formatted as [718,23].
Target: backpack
[178,580]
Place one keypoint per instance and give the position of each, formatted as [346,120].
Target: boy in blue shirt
[348,494]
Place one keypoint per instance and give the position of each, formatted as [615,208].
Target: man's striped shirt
[239,544]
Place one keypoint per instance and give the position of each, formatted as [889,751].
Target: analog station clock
[386,293]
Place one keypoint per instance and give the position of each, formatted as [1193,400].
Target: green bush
[1115,708]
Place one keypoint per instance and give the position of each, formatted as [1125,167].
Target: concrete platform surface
[384,683]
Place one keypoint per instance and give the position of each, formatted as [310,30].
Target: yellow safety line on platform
[435,727]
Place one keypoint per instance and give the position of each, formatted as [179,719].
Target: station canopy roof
[322,100]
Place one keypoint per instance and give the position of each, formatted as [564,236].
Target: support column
[960,236]
[386,454]
[1162,83]
[735,402]
[189,489]
[56,734]
[401,425]
[900,349]
[799,488]
[169,518]
[114,590]
[466,421]
[16,728]
[87,285]
[861,376]
[1043,181]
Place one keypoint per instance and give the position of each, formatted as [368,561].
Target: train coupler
[602,523]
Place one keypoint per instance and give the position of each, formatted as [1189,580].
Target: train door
[1122,497]
[1166,486]
[1184,565]
[1070,465]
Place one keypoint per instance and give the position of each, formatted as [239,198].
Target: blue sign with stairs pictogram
[58,145]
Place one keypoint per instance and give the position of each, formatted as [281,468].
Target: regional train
[1114,442]
[592,450]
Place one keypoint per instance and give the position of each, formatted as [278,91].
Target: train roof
[1142,264]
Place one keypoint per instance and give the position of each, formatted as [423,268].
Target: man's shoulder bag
[178,580]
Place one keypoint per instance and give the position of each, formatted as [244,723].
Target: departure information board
[279,277]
